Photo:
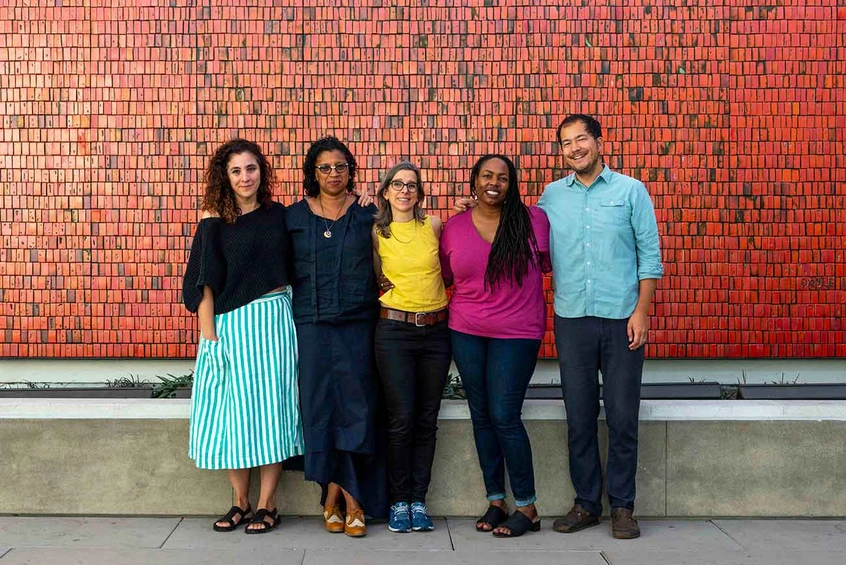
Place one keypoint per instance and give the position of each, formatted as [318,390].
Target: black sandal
[493,517]
[518,524]
[230,517]
[261,514]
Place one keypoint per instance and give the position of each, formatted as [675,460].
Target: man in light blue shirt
[606,264]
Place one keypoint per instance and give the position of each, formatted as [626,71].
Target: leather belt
[419,319]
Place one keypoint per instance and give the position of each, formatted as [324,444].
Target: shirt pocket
[614,213]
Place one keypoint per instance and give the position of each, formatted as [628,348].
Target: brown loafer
[333,520]
[623,526]
[576,519]
[355,526]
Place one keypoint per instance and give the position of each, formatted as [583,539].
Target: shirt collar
[605,175]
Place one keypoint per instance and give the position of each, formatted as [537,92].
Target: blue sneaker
[420,521]
[399,520]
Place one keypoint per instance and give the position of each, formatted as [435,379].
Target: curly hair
[219,198]
[329,143]
[514,246]
[384,217]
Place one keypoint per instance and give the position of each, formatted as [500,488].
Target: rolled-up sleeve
[647,242]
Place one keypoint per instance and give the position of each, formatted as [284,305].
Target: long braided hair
[514,248]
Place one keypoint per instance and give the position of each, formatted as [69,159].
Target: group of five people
[300,355]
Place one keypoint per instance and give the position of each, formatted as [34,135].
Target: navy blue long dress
[336,305]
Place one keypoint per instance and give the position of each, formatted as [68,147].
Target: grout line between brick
[602,555]
[7,552]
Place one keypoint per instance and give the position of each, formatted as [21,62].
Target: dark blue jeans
[495,374]
[413,366]
[587,346]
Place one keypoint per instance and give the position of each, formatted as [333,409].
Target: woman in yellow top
[412,340]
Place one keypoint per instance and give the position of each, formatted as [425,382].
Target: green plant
[132,381]
[454,389]
[168,385]
[789,382]
[30,384]
[729,392]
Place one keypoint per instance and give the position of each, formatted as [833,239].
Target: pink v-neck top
[507,311]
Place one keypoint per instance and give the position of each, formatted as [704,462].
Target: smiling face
[244,177]
[492,182]
[404,199]
[582,152]
[333,182]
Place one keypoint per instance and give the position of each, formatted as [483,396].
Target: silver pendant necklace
[328,233]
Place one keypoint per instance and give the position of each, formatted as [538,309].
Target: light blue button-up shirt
[603,241]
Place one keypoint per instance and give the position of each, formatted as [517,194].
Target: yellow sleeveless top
[410,261]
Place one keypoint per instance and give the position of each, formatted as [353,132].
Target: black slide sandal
[493,517]
[518,524]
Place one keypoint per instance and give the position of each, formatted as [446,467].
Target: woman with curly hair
[335,310]
[495,254]
[245,403]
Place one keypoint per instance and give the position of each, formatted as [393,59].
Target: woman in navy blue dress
[335,310]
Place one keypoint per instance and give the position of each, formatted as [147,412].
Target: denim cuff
[497,496]
[531,500]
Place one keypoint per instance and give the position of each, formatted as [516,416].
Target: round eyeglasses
[340,168]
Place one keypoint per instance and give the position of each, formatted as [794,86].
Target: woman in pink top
[495,255]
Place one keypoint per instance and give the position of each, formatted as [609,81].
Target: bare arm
[377,261]
[638,326]
[437,226]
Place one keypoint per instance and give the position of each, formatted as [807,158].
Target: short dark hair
[329,143]
[591,124]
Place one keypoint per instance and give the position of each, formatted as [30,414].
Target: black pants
[413,366]
[585,347]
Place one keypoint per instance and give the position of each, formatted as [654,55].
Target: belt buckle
[417,319]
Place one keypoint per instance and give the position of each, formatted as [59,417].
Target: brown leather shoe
[576,519]
[623,526]
[355,526]
[333,520]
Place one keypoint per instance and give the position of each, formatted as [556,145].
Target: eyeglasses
[340,168]
[398,185]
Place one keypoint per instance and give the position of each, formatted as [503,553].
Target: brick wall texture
[732,112]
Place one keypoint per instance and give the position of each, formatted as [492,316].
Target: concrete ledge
[696,458]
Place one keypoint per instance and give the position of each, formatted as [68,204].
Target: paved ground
[301,541]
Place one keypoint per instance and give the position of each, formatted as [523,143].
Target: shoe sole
[426,529]
[619,535]
[577,529]
[398,531]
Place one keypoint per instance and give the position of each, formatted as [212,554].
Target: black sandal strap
[493,517]
[230,516]
[517,524]
[261,514]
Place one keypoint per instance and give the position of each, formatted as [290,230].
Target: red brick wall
[732,113]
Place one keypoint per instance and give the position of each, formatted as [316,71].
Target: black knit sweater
[239,262]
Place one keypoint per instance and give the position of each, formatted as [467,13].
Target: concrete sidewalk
[301,541]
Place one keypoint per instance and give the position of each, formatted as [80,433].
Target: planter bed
[833,391]
[648,391]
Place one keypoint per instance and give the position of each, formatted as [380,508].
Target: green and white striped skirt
[245,408]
